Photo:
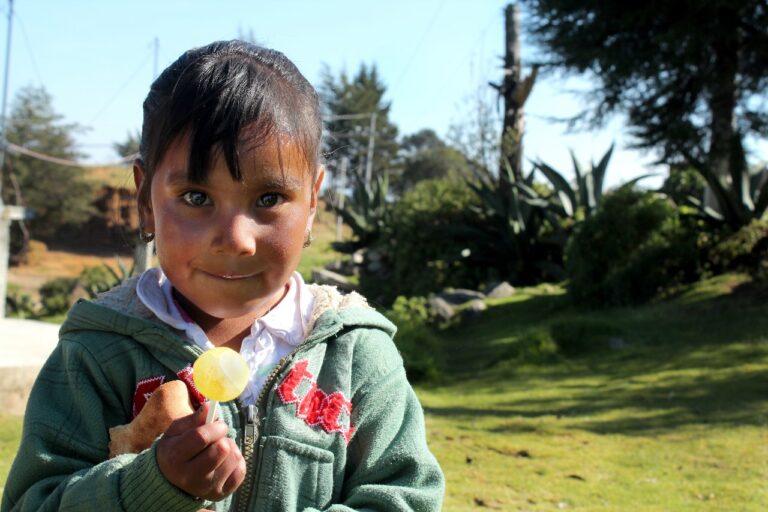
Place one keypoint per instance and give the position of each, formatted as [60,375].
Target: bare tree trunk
[722,106]
[515,91]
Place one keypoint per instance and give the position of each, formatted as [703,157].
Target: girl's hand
[199,458]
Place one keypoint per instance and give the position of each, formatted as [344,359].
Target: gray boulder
[500,290]
[460,296]
[473,309]
[441,309]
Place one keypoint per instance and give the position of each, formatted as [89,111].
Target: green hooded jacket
[336,428]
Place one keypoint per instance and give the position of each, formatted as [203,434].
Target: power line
[29,48]
[121,88]
[15,149]
[421,42]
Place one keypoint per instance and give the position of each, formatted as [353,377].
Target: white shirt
[272,337]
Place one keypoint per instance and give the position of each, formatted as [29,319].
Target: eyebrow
[283,182]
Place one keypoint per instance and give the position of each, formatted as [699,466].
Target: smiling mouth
[232,277]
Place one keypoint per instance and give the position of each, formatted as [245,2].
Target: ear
[146,219]
[315,194]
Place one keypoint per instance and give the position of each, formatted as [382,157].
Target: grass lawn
[10,434]
[673,417]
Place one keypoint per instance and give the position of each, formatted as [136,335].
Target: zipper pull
[251,425]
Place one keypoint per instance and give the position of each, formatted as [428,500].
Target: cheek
[176,231]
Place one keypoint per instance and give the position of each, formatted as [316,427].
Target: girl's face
[229,247]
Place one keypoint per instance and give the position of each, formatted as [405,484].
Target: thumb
[188,422]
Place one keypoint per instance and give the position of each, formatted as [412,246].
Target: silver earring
[144,236]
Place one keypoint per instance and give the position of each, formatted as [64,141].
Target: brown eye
[196,198]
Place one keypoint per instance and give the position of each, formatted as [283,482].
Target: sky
[98,58]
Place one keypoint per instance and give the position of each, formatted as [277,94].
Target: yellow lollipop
[220,374]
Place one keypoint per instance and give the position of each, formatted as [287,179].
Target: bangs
[232,102]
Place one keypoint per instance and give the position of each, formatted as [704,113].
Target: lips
[232,276]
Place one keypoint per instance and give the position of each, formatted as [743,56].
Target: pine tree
[363,94]
[58,194]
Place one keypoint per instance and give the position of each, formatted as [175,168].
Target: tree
[689,75]
[424,156]
[58,194]
[358,96]
[130,146]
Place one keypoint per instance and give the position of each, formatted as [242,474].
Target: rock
[460,296]
[473,309]
[358,257]
[440,309]
[323,276]
[500,290]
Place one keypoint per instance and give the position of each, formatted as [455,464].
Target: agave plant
[520,234]
[586,193]
[364,212]
[738,199]
[744,200]
[96,280]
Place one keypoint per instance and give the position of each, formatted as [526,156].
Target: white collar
[286,321]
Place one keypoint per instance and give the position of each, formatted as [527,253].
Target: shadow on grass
[699,363]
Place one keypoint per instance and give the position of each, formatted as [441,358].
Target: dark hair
[213,93]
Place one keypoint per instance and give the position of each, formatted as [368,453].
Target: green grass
[674,420]
[10,435]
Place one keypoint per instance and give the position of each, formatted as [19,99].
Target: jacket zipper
[250,434]
[251,446]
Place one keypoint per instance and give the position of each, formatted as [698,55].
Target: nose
[236,235]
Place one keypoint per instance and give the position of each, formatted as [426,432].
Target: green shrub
[636,246]
[746,250]
[422,251]
[19,304]
[535,346]
[578,336]
[415,339]
[54,295]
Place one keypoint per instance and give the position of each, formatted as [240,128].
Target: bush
[422,252]
[636,246]
[54,295]
[415,339]
[578,336]
[746,250]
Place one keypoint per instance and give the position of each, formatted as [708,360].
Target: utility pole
[144,252]
[515,90]
[341,183]
[369,158]
[7,213]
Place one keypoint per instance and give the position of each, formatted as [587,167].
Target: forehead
[273,157]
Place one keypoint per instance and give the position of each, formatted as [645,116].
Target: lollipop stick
[212,411]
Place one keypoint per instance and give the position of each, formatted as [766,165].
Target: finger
[229,474]
[208,460]
[188,422]
[236,476]
[188,445]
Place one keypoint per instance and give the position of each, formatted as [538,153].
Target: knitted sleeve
[389,466]
[62,461]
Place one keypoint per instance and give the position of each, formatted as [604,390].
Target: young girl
[228,181]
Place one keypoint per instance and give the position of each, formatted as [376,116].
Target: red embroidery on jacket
[332,412]
[145,388]
[185,375]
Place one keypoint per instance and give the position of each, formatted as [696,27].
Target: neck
[227,332]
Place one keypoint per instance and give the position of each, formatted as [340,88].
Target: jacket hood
[120,311]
